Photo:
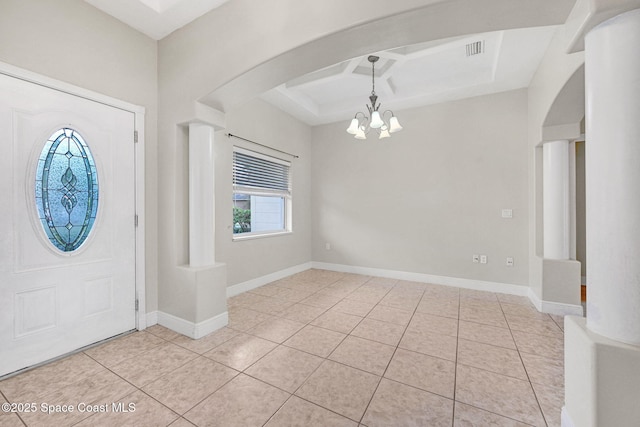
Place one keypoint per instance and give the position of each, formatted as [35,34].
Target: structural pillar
[201,195]
[602,354]
[555,172]
[612,66]
[560,273]
[203,282]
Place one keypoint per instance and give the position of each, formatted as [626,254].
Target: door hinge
[137,304]
[135,136]
[135,220]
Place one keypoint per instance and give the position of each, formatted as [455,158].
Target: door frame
[139,115]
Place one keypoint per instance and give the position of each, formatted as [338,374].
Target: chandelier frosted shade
[353,127]
[361,124]
[376,121]
[394,125]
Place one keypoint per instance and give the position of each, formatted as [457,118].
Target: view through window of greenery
[261,193]
[241,220]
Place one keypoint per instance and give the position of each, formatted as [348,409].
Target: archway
[562,167]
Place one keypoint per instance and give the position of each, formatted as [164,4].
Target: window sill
[249,236]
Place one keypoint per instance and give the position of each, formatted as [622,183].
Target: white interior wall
[431,196]
[76,43]
[256,257]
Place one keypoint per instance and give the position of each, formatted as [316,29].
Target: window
[261,194]
[66,190]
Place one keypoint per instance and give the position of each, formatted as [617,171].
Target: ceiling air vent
[475,48]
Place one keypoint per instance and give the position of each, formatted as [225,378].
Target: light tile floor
[318,348]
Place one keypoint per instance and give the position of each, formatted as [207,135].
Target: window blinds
[255,171]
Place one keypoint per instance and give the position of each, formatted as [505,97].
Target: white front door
[67,231]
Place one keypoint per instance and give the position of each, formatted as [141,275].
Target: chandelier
[361,124]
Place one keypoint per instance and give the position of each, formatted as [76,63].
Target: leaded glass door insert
[66,189]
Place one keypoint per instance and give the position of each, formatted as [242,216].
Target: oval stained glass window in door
[66,190]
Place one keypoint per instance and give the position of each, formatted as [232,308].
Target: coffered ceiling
[417,75]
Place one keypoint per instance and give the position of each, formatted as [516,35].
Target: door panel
[53,302]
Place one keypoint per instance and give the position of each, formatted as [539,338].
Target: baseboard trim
[565,419]
[152,318]
[557,308]
[505,288]
[263,280]
[480,285]
[190,329]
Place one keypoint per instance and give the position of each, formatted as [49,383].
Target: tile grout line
[17,413]
[535,395]
[161,376]
[283,345]
[279,345]
[390,359]
[377,304]
[497,414]
[455,372]
[485,370]
[206,397]
[292,394]
[314,371]
[349,334]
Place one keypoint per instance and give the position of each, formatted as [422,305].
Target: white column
[201,196]
[555,172]
[612,70]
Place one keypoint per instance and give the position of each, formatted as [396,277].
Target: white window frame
[253,191]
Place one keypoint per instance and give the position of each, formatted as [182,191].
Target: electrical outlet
[509,261]
[483,259]
[327,246]
[476,258]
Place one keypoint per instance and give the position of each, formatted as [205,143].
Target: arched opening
[565,122]
[435,21]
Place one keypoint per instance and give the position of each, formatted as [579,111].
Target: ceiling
[406,77]
[156,18]
[417,75]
